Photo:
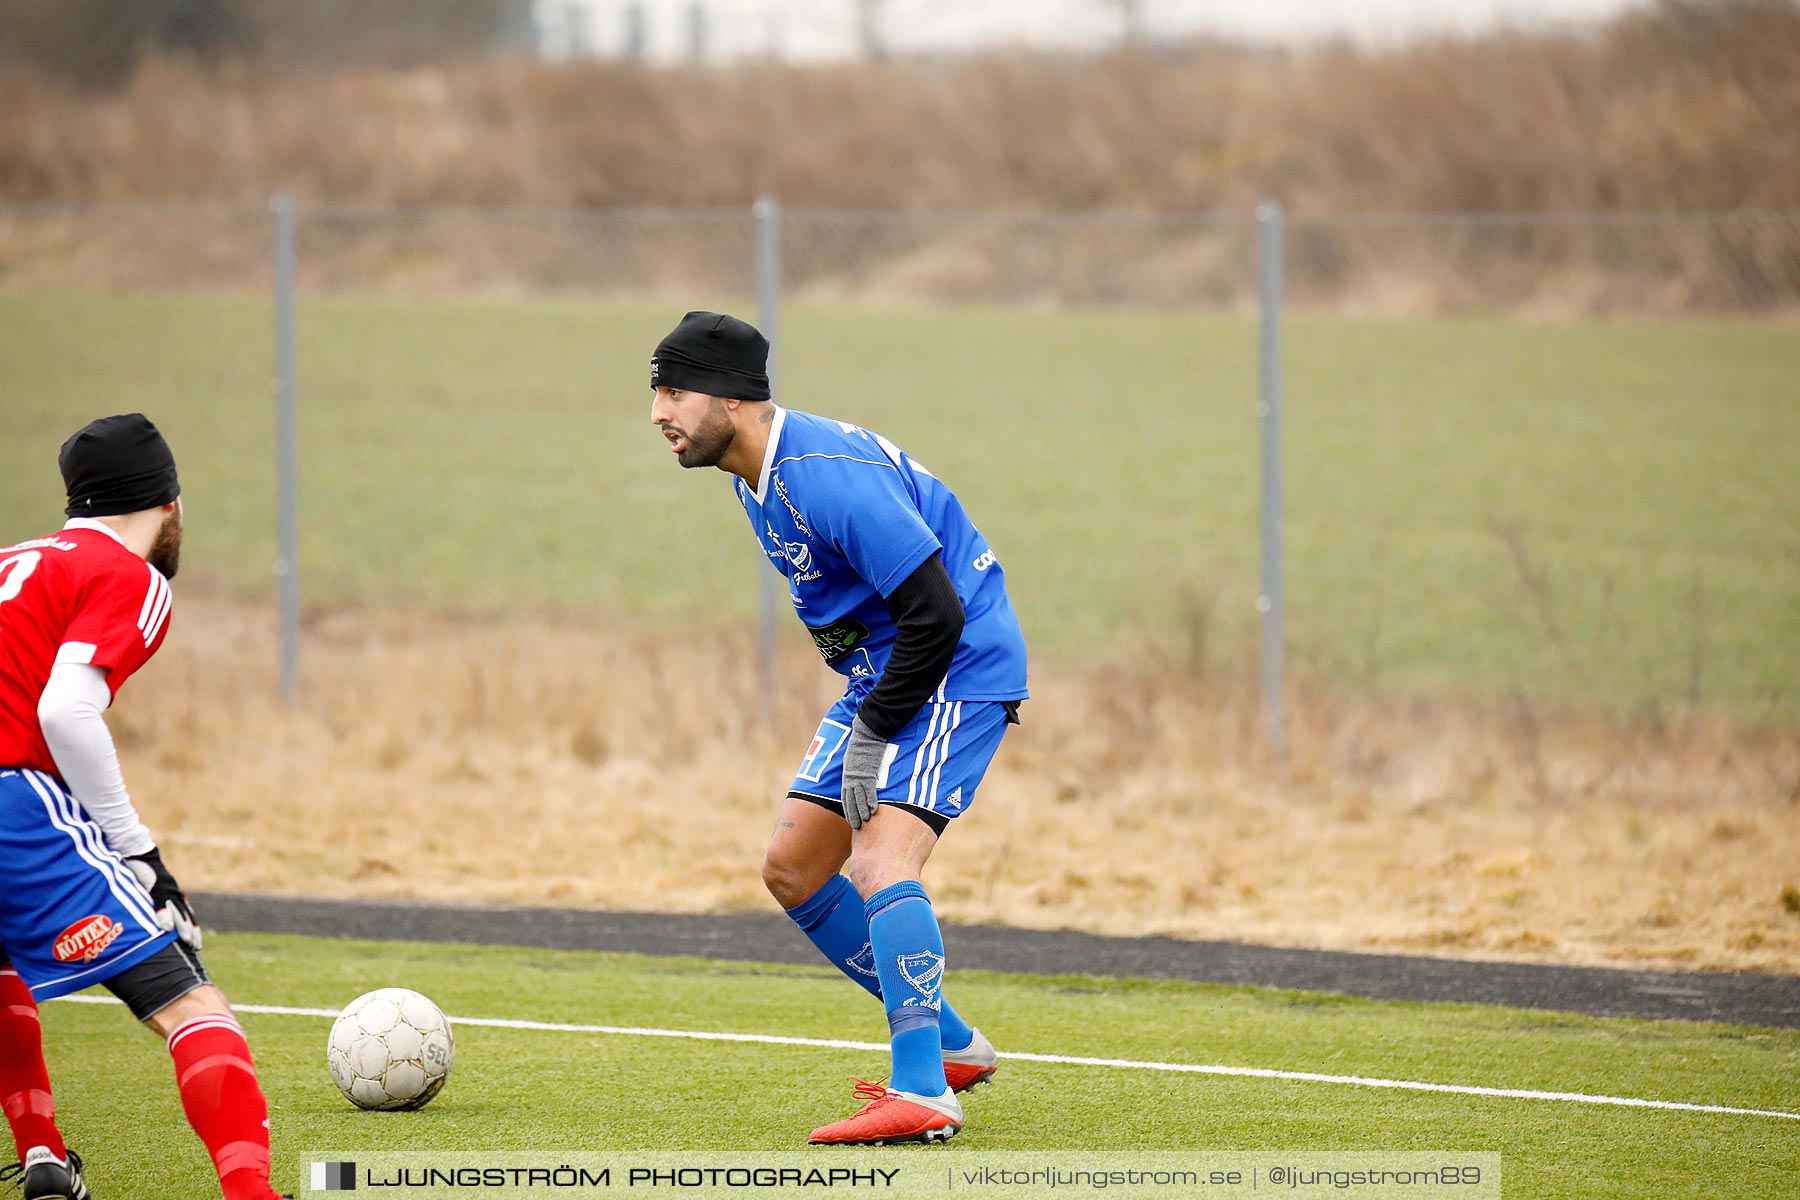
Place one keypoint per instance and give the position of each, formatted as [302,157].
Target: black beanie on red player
[117,465]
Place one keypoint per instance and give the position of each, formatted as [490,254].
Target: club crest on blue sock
[836,920]
[924,971]
[863,963]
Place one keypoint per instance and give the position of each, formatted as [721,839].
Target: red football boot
[891,1116]
[973,1064]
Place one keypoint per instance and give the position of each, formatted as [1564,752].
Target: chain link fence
[1536,455]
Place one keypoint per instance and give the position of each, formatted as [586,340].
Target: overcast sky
[1375,20]
[1368,21]
[826,30]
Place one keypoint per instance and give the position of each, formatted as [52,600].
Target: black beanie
[715,354]
[117,465]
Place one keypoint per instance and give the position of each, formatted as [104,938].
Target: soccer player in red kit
[87,899]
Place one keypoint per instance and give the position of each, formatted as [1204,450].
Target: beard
[165,551]
[710,439]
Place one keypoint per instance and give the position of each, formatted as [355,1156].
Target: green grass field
[1605,512]
[550,1091]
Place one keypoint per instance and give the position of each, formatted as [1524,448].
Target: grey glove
[862,766]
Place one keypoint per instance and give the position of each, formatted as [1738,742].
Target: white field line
[1125,1064]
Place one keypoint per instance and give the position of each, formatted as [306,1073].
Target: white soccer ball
[390,1049]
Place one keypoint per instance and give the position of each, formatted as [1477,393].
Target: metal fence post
[769,593]
[287,451]
[1268,412]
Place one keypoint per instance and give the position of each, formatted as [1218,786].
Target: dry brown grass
[565,760]
[1688,105]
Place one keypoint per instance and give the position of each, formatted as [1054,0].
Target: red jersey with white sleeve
[81,596]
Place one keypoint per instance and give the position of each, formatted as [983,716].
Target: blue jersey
[846,515]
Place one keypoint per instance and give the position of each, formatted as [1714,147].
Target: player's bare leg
[807,850]
[219,1090]
[207,1001]
[892,847]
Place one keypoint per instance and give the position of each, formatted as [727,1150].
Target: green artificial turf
[549,1091]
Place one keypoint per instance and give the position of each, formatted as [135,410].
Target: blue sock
[909,955]
[834,919]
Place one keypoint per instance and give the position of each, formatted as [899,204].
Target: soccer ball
[390,1049]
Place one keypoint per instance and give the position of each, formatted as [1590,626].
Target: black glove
[166,896]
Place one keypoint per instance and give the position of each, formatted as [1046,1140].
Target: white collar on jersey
[97,526]
[762,481]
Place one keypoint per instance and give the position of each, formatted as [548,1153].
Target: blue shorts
[934,764]
[71,912]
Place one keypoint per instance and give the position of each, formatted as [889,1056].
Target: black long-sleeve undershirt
[928,617]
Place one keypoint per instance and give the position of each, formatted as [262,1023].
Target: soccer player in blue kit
[904,598]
